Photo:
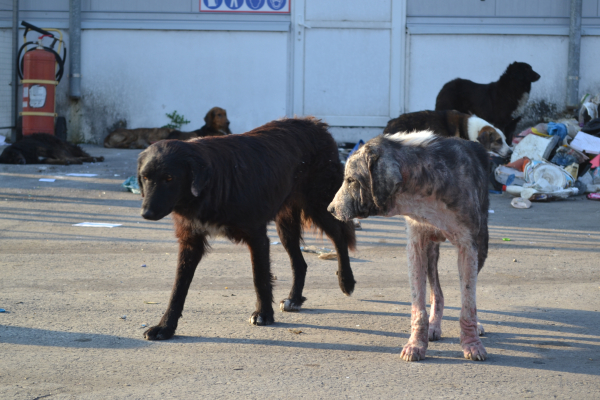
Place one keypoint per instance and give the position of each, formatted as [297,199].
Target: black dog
[501,103]
[287,171]
[43,148]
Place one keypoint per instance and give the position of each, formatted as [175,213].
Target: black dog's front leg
[258,242]
[191,251]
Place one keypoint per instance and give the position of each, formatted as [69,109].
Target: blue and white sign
[277,4]
[246,6]
[211,4]
[255,4]
[234,4]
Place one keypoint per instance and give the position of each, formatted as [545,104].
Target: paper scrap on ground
[97,224]
[586,142]
[47,180]
[83,175]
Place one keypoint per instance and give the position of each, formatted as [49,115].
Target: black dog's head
[372,176]
[10,155]
[168,175]
[522,71]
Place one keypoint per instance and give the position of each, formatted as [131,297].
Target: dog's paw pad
[159,333]
[289,306]
[411,352]
[261,319]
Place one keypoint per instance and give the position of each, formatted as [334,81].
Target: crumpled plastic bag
[132,185]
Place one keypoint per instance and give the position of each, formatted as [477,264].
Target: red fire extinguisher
[40,70]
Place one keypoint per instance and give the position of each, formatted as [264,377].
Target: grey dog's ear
[385,177]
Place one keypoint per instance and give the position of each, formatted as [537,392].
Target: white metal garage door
[348,63]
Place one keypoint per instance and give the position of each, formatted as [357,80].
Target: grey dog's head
[371,178]
[168,176]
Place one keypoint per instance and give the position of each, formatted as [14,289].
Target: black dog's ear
[141,158]
[385,177]
[200,177]
[139,179]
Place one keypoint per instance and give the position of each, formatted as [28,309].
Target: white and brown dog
[450,123]
[439,185]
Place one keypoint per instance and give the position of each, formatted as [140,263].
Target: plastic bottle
[513,190]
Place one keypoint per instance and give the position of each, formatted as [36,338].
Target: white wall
[589,70]
[139,76]
[437,59]
[5,81]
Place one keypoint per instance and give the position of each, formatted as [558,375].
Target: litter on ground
[132,185]
[97,224]
[83,175]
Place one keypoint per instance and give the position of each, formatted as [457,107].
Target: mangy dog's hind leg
[416,250]
[436,297]
[467,270]
[191,250]
[342,236]
[258,242]
[289,229]
[482,251]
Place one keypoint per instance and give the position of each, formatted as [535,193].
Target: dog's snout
[149,214]
[331,209]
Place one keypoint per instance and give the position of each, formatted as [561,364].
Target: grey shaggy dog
[439,185]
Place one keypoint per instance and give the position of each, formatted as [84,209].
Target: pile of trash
[554,160]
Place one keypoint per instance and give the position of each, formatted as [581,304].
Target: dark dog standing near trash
[501,103]
[439,185]
[286,171]
[43,148]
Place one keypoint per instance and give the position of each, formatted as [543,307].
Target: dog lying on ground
[501,103]
[43,148]
[286,171]
[439,185]
[216,124]
[139,138]
[451,123]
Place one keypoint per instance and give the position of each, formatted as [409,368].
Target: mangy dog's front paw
[435,332]
[473,350]
[413,352]
[261,318]
[159,333]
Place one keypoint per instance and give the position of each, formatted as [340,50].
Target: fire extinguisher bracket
[42,81]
